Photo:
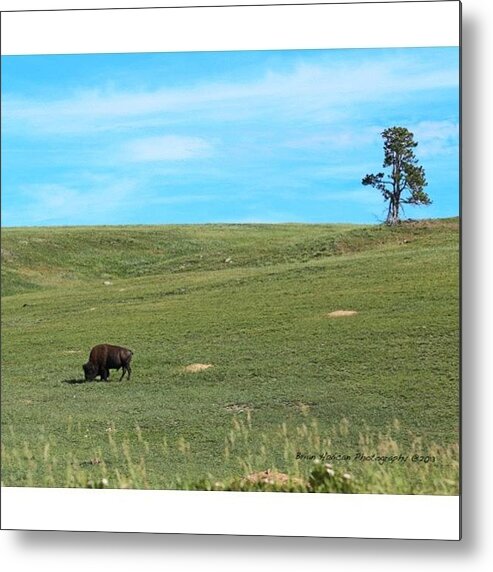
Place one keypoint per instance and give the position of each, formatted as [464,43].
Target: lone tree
[406,174]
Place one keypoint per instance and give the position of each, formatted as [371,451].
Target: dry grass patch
[270,477]
[341,313]
[239,407]
[195,367]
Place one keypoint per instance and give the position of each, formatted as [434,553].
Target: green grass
[124,461]
[250,299]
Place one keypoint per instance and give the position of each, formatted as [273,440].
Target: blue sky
[257,136]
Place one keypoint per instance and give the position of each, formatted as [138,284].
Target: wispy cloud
[69,204]
[339,139]
[436,137]
[166,148]
[320,90]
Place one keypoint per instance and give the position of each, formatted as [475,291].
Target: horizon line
[248,223]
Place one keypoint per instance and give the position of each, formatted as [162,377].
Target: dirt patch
[269,477]
[302,407]
[341,313]
[6,255]
[72,351]
[239,407]
[195,367]
[95,461]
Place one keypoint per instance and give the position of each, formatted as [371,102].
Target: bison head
[90,371]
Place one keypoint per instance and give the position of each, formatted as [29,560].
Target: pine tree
[406,182]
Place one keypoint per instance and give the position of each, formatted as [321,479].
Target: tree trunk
[394,203]
[393,213]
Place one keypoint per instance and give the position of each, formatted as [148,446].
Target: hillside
[39,257]
[253,303]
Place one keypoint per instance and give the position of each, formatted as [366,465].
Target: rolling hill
[251,302]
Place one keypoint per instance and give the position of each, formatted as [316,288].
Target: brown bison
[105,357]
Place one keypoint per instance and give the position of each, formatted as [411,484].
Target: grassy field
[251,301]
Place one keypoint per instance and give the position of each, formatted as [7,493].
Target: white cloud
[166,148]
[322,92]
[432,136]
[68,204]
[436,138]
[337,139]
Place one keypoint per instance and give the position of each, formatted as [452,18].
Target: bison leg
[126,369]
[105,373]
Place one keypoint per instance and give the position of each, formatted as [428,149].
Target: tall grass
[389,462]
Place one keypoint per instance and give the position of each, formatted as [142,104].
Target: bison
[105,357]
